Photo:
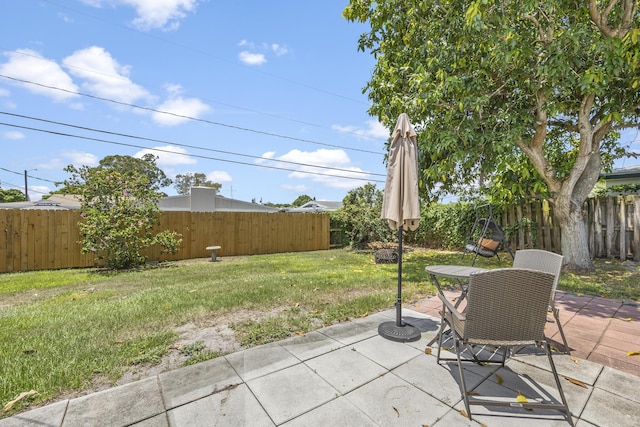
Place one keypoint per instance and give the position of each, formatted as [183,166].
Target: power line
[115,76]
[207,54]
[20,187]
[182,145]
[188,155]
[29,176]
[275,135]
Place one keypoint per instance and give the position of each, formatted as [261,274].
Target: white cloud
[37,191]
[4,92]
[152,14]
[278,49]
[73,157]
[103,75]
[168,155]
[180,109]
[220,177]
[324,158]
[257,55]
[28,65]
[300,188]
[252,58]
[13,135]
[373,130]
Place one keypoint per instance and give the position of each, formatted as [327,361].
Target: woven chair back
[507,307]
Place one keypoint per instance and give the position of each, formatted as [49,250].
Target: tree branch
[601,19]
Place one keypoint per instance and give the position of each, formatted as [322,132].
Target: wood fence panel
[636,229]
[613,227]
[622,219]
[50,239]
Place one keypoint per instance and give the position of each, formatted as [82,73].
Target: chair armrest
[459,316]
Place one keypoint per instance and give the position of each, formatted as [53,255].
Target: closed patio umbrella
[401,208]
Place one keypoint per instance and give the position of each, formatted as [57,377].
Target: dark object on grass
[386,256]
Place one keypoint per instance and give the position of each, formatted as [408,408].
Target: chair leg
[557,379]
[463,383]
[556,316]
[440,334]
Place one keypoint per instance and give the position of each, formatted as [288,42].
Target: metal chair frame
[550,262]
[505,308]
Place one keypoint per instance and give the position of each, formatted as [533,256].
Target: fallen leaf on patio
[446,348]
[576,382]
[463,413]
[21,396]
[427,350]
[473,393]
[499,379]
[575,360]
[396,409]
[521,399]
[633,353]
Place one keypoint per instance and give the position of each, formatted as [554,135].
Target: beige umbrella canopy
[401,208]
[400,203]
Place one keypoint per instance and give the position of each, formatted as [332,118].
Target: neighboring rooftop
[56,201]
[317,206]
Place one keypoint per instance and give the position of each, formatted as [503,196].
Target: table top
[453,271]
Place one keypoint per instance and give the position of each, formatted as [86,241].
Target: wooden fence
[32,239]
[613,226]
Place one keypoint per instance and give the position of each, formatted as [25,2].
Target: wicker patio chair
[550,262]
[505,308]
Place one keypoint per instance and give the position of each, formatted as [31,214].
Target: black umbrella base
[403,333]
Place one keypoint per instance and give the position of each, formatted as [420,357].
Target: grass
[66,331]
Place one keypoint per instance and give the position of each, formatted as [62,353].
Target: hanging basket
[386,256]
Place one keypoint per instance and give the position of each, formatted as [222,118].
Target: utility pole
[26,191]
[26,187]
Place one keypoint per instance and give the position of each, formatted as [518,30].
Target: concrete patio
[347,374]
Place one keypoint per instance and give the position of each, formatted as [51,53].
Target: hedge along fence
[613,226]
[33,239]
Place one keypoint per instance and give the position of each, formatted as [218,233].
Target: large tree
[183,182]
[526,96]
[119,204]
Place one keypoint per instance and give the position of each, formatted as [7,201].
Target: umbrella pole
[399,300]
[398,331]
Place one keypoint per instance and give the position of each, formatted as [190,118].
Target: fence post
[623,228]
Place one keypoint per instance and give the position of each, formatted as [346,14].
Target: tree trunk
[574,236]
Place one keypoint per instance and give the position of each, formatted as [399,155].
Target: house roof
[317,206]
[56,201]
[624,172]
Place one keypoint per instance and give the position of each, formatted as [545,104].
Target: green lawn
[64,331]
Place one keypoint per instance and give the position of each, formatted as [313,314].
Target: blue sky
[263,97]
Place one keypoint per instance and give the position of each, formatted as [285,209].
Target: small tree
[11,195]
[360,216]
[184,182]
[119,205]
